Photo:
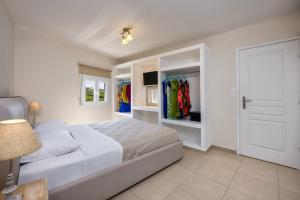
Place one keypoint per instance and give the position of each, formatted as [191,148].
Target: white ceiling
[156,23]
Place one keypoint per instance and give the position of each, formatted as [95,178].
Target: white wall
[6,51]
[46,71]
[222,69]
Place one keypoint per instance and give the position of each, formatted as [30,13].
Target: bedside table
[36,190]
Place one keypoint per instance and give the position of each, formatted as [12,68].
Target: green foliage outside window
[89,94]
[101,94]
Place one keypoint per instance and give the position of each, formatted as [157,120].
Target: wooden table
[36,190]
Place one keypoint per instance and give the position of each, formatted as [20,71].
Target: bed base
[107,183]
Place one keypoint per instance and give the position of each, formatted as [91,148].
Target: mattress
[97,152]
[137,137]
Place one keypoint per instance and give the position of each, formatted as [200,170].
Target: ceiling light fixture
[126,35]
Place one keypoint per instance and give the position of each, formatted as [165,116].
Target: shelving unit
[181,66]
[182,122]
[125,114]
[123,76]
[120,73]
[190,62]
[146,108]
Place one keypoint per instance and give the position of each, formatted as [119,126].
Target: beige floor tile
[216,172]
[289,178]
[153,188]
[237,195]
[203,188]
[259,169]
[225,160]
[126,195]
[175,174]
[285,194]
[192,160]
[178,194]
[254,187]
[225,154]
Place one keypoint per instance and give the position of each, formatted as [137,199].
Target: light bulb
[124,41]
[129,37]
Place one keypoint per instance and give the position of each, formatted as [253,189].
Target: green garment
[174,103]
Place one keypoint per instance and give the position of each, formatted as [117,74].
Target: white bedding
[97,151]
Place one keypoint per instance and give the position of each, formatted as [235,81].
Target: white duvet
[96,152]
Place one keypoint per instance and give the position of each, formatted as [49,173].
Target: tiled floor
[218,175]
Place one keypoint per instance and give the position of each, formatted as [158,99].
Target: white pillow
[49,125]
[54,143]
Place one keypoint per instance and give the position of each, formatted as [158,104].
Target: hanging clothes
[176,98]
[169,99]
[180,99]
[124,97]
[128,92]
[186,99]
[165,100]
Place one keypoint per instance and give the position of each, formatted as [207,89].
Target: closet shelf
[120,76]
[126,114]
[181,66]
[146,108]
[183,122]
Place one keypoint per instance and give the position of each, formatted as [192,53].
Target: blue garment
[125,107]
[165,101]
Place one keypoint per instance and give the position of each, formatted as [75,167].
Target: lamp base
[8,190]
[14,197]
[10,187]
[8,193]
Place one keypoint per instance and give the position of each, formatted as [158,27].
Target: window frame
[96,79]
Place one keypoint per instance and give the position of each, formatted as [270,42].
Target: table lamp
[34,107]
[16,139]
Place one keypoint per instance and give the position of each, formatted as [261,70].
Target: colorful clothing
[180,99]
[174,102]
[169,99]
[124,97]
[176,98]
[165,100]
[187,100]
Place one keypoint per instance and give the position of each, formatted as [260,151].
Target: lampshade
[35,106]
[17,139]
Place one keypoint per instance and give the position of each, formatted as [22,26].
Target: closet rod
[181,73]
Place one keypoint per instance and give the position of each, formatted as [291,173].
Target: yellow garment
[124,97]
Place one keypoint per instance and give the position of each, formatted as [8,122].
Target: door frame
[238,50]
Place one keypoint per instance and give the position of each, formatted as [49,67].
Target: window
[94,90]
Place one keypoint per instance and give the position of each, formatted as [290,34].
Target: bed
[131,150]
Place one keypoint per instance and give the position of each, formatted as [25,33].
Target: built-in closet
[186,65]
[122,90]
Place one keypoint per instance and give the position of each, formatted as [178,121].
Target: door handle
[245,101]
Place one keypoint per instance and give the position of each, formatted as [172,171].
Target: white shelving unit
[125,114]
[181,66]
[182,122]
[123,76]
[190,62]
[120,73]
[146,108]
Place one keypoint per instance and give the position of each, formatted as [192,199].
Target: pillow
[49,125]
[54,143]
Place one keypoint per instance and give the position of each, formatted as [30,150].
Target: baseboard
[212,147]
[223,149]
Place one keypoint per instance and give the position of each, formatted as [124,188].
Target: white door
[270,103]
